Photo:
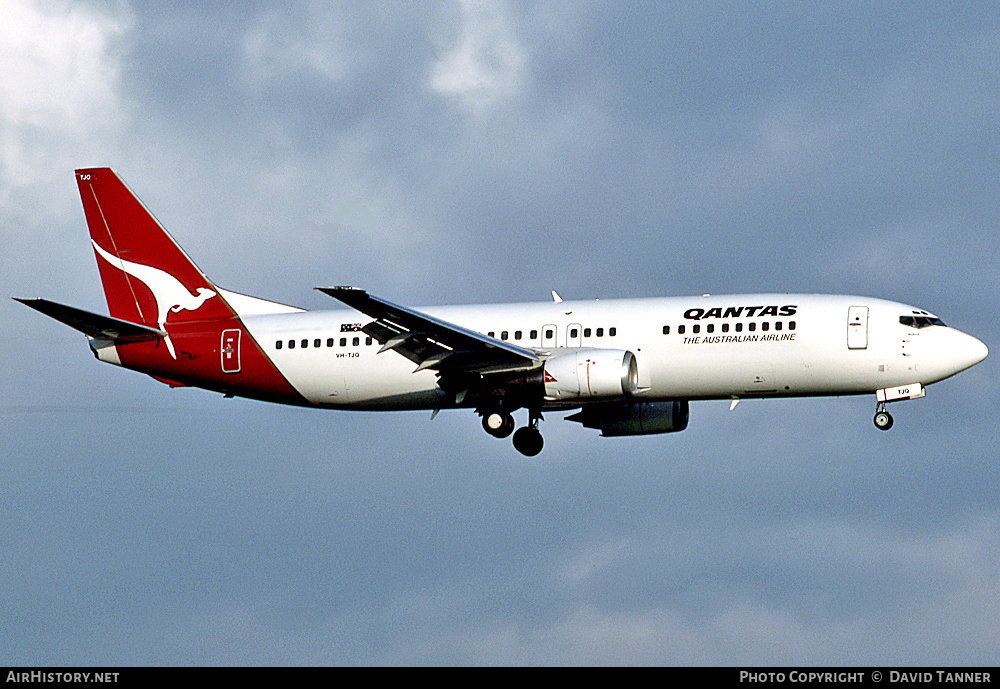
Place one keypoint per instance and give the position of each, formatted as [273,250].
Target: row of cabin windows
[504,335]
[550,333]
[737,327]
[318,342]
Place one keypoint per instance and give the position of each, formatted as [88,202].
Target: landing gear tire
[883,420]
[528,441]
[498,424]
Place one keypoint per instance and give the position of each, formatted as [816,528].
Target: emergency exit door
[548,336]
[857,327]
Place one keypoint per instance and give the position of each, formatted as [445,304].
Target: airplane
[625,367]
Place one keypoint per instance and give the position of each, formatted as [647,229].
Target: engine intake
[590,374]
[638,418]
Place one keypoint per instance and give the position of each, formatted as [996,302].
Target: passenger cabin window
[517,334]
[586,332]
[612,332]
[503,335]
[317,342]
[573,332]
[681,329]
[356,341]
[368,341]
[549,334]
[291,344]
[710,328]
[600,332]
[305,343]
[666,330]
[329,342]
[343,342]
[696,328]
[277,345]
[534,335]
[725,327]
[491,333]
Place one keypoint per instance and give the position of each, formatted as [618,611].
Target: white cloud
[59,86]
[487,65]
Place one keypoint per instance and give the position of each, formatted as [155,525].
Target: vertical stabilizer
[147,277]
[167,319]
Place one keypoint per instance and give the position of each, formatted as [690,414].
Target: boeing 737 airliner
[628,366]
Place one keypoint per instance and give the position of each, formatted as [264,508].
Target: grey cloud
[630,150]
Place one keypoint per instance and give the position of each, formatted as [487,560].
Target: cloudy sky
[457,152]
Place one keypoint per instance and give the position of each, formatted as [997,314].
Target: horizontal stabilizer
[93,324]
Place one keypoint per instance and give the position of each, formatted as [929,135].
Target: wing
[94,325]
[433,343]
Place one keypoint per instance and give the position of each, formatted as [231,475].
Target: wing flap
[430,342]
[93,324]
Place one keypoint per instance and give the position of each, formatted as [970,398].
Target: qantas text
[740,312]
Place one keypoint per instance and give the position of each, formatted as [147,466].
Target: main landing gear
[883,419]
[528,440]
[499,424]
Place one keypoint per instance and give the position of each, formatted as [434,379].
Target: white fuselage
[630,365]
[710,347]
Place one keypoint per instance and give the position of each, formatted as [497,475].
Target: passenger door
[574,335]
[857,327]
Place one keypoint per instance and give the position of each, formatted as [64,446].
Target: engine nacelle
[637,418]
[590,374]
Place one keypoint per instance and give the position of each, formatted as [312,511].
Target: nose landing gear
[883,419]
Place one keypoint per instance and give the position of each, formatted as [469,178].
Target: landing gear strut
[883,419]
[528,440]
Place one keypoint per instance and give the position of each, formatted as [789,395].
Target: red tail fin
[147,277]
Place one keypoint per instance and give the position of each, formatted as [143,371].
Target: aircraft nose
[968,351]
[979,351]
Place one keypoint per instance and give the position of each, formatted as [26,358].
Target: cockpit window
[920,321]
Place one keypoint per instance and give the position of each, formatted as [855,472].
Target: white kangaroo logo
[169,293]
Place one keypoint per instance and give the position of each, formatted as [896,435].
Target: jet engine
[591,373]
[637,418]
